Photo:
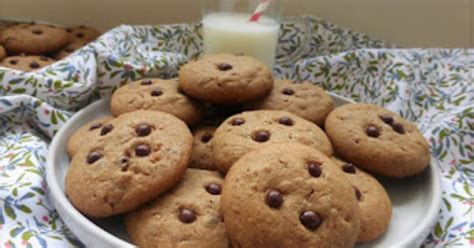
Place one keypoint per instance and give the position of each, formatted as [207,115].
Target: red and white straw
[262,6]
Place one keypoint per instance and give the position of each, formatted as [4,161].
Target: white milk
[233,33]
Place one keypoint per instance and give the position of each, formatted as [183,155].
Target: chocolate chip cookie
[201,157]
[305,99]
[226,79]
[186,216]
[377,140]
[85,134]
[26,63]
[374,203]
[136,157]
[82,33]
[69,49]
[3,53]
[34,39]
[156,94]
[244,132]
[288,195]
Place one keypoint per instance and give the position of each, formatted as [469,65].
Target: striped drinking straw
[262,6]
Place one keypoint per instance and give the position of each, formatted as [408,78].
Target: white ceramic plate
[416,201]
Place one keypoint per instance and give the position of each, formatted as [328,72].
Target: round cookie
[288,195]
[186,216]
[69,49]
[26,63]
[34,39]
[137,157]
[156,94]
[85,134]
[201,157]
[305,99]
[244,132]
[82,33]
[3,53]
[377,140]
[374,203]
[226,79]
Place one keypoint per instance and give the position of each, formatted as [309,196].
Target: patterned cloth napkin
[432,87]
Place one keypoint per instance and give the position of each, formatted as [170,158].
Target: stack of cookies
[268,163]
[31,46]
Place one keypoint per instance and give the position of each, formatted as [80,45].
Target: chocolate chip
[357,193]
[261,136]
[95,126]
[397,127]
[239,54]
[37,31]
[349,168]
[206,137]
[237,121]
[287,121]
[274,198]
[372,131]
[143,130]
[94,156]
[186,215]
[224,67]
[142,150]
[314,168]
[43,58]
[69,50]
[69,30]
[13,62]
[311,220]
[386,118]
[80,35]
[106,129]
[213,189]
[34,65]
[287,91]
[123,163]
[146,82]
[156,92]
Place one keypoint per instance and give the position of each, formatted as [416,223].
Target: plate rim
[60,202]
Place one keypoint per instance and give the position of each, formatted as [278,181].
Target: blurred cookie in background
[33,39]
[82,33]
[26,63]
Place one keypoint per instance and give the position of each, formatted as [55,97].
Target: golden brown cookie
[3,53]
[186,216]
[86,134]
[156,94]
[82,33]
[34,39]
[288,195]
[136,157]
[226,79]
[374,203]
[69,49]
[201,157]
[244,132]
[377,140]
[305,99]
[26,63]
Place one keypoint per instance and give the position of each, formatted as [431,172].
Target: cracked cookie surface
[136,157]
[288,195]
[186,216]
[226,78]
[244,132]
[377,140]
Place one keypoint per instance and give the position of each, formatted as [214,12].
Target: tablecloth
[432,87]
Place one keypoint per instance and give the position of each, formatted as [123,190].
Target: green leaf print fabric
[432,87]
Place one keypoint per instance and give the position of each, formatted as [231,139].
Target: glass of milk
[227,28]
